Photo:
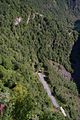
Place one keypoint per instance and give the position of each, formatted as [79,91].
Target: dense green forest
[45,33]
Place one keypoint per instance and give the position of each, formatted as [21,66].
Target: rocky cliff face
[74,5]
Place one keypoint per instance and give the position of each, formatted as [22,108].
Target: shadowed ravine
[75,58]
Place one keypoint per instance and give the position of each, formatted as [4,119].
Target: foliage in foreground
[26,45]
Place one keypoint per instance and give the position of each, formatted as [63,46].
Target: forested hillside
[39,35]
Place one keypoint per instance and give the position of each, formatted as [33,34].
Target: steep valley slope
[35,34]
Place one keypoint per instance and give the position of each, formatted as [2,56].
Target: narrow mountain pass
[47,89]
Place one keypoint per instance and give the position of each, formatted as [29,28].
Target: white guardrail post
[62,110]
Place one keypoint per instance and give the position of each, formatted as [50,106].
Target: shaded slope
[75,60]
[75,57]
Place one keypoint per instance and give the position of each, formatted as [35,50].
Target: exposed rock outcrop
[74,5]
[61,70]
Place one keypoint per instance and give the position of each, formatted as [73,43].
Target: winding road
[47,89]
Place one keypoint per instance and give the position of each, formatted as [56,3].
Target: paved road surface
[47,89]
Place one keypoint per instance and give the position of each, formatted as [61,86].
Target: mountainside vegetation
[46,32]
